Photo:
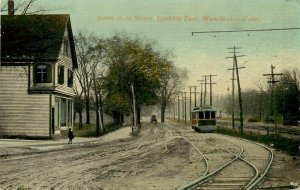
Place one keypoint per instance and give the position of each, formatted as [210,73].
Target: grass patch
[281,143]
[89,130]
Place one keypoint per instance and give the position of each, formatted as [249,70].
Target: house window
[66,47]
[70,78]
[42,73]
[61,74]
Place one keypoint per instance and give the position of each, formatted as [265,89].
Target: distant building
[38,59]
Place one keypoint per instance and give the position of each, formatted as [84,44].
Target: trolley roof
[204,108]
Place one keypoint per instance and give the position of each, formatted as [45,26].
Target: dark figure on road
[71,136]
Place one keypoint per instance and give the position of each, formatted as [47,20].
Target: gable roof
[35,37]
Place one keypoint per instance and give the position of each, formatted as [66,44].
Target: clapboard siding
[66,61]
[21,114]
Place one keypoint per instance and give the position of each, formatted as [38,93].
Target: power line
[253,30]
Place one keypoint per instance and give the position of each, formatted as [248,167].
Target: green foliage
[253,119]
[132,61]
[281,143]
[111,127]
[117,102]
[260,103]
[89,130]
[287,97]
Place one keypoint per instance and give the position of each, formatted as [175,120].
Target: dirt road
[158,158]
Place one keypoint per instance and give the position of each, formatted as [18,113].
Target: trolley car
[204,119]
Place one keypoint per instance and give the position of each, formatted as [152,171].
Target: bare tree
[91,67]
[84,73]
[24,7]
[171,81]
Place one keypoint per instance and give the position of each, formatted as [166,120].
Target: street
[162,156]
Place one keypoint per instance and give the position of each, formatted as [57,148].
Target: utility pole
[195,92]
[184,106]
[238,82]
[232,99]
[195,96]
[183,98]
[178,107]
[210,86]
[273,99]
[204,102]
[211,83]
[190,103]
[174,108]
[201,92]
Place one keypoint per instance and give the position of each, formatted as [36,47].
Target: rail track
[237,173]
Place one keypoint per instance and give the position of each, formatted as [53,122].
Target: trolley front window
[213,115]
[201,115]
[207,115]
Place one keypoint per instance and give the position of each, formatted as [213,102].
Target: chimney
[11,8]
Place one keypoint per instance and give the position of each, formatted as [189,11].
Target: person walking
[71,136]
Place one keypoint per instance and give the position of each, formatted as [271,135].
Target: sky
[170,24]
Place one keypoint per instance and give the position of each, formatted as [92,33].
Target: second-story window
[42,73]
[70,78]
[61,74]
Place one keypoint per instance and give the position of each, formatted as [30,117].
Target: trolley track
[218,178]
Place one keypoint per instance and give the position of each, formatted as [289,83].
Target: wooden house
[38,59]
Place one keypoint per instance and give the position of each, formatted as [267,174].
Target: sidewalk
[20,146]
